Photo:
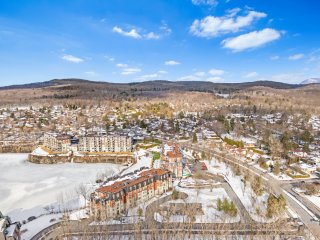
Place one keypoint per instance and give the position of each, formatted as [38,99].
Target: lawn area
[156,155]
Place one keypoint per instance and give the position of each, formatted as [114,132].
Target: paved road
[241,228]
[275,185]
[151,226]
[288,186]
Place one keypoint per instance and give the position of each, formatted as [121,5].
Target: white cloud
[251,40]
[214,79]
[151,35]
[200,74]
[189,78]
[122,65]
[274,58]
[110,59]
[148,76]
[289,77]
[296,56]
[130,71]
[171,63]
[212,26]
[132,33]
[251,75]
[139,33]
[205,2]
[152,76]
[216,72]
[165,29]
[162,72]
[91,73]
[71,58]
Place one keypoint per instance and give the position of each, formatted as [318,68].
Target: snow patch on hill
[311,80]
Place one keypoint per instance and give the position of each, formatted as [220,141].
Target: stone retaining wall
[16,148]
[53,159]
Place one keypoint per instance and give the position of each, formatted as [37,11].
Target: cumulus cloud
[71,58]
[152,35]
[132,33]
[139,33]
[122,65]
[216,72]
[274,58]
[151,76]
[130,71]
[212,26]
[200,74]
[251,75]
[213,75]
[215,79]
[296,56]
[165,29]
[296,77]
[148,76]
[171,63]
[91,73]
[205,2]
[251,40]
[189,78]
[162,72]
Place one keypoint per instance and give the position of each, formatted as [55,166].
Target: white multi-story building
[88,143]
[57,142]
[105,143]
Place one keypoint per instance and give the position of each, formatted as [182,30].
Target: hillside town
[266,139]
[176,158]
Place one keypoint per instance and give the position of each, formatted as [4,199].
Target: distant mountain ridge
[310,81]
[158,84]
[61,90]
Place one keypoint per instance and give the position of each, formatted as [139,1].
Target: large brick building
[112,200]
[172,159]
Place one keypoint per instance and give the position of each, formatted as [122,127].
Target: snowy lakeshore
[30,187]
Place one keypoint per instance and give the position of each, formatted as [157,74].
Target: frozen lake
[26,187]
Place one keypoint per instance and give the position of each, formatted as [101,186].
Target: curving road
[276,186]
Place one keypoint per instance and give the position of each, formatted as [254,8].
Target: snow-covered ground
[27,187]
[208,200]
[281,177]
[144,159]
[314,199]
[79,214]
[40,152]
[251,202]
[32,228]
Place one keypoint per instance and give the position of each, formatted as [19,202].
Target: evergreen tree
[140,212]
[306,148]
[276,169]
[194,138]
[257,186]
[219,204]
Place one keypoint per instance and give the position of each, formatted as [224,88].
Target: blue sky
[137,40]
